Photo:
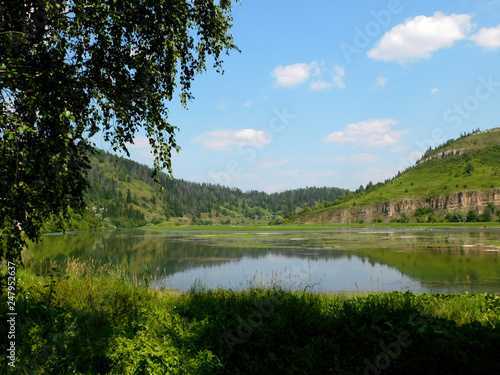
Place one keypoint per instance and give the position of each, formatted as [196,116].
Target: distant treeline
[122,190]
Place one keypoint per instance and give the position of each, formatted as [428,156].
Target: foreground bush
[85,322]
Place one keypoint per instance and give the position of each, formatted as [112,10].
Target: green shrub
[96,321]
[405,217]
[156,220]
[421,211]
[460,216]
[472,216]
[489,212]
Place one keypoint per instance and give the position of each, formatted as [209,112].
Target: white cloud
[296,74]
[139,142]
[488,37]
[291,172]
[273,163]
[434,90]
[319,85]
[370,133]
[292,75]
[381,82]
[338,74]
[356,158]
[248,103]
[223,140]
[418,37]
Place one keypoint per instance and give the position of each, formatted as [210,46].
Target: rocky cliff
[443,154]
[466,200]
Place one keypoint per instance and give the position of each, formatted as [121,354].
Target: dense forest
[122,193]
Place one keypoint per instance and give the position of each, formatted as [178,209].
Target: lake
[437,261]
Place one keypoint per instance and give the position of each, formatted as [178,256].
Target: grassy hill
[468,165]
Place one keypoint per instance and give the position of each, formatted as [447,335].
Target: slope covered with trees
[122,193]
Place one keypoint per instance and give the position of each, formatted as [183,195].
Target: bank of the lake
[93,320]
[317,226]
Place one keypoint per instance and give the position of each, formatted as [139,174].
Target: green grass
[97,322]
[315,227]
[436,177]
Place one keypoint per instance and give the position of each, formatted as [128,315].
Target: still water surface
[420,261]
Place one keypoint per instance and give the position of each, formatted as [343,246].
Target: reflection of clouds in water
[388,260]
[298,274]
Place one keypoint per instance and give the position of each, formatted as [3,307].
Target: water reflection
[420,261]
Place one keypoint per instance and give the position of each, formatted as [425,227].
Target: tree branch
[72,10]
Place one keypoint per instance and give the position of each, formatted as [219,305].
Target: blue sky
[338,93]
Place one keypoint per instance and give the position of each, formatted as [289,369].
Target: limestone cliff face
[444,204]
[443,154]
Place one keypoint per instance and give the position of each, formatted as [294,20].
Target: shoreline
[322,227]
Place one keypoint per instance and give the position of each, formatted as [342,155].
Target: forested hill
[122,193]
